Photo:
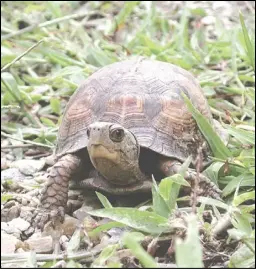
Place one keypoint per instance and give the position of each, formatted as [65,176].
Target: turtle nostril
[88,132]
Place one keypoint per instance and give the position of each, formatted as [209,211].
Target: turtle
[126,123]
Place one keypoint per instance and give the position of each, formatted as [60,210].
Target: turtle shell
[143,96]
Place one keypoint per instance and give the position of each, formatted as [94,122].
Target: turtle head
[114,152]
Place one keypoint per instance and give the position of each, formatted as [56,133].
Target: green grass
[47,50]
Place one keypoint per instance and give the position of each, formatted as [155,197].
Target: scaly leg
[206,186]
[54,197]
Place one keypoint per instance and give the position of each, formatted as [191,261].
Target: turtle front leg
[54,197]
[206,186]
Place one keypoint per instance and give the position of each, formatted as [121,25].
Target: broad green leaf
[166,194]
[131,242]
[213,202]
[244,180]
[243,136]
[243,257]
[145,221]
[212,171]
[217,146]
[138,236]
[178,179]
[160,206]
[189,253]
[244,197]
[247,208]
[236,234]
[242,223]
[103,199]
[169,189]
[165,188]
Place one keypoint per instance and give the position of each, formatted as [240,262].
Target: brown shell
[143,96]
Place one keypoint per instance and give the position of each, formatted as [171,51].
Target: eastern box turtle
[127,122]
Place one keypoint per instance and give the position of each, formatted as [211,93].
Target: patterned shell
[145,97]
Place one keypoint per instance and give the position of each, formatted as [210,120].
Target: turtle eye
[88,132]
[117,135]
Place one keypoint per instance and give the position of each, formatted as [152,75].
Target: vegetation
[49,48]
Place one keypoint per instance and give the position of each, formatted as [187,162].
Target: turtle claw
[206,186]
[43,216]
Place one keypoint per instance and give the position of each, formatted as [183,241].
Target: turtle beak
[99,151]
[99,143]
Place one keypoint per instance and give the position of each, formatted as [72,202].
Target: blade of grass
[130,240]
[26,141]
[189,252]
[160,206]
[123,14]
[103,199]
[20,56]
[48,23]
[217,146]
[249,47]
